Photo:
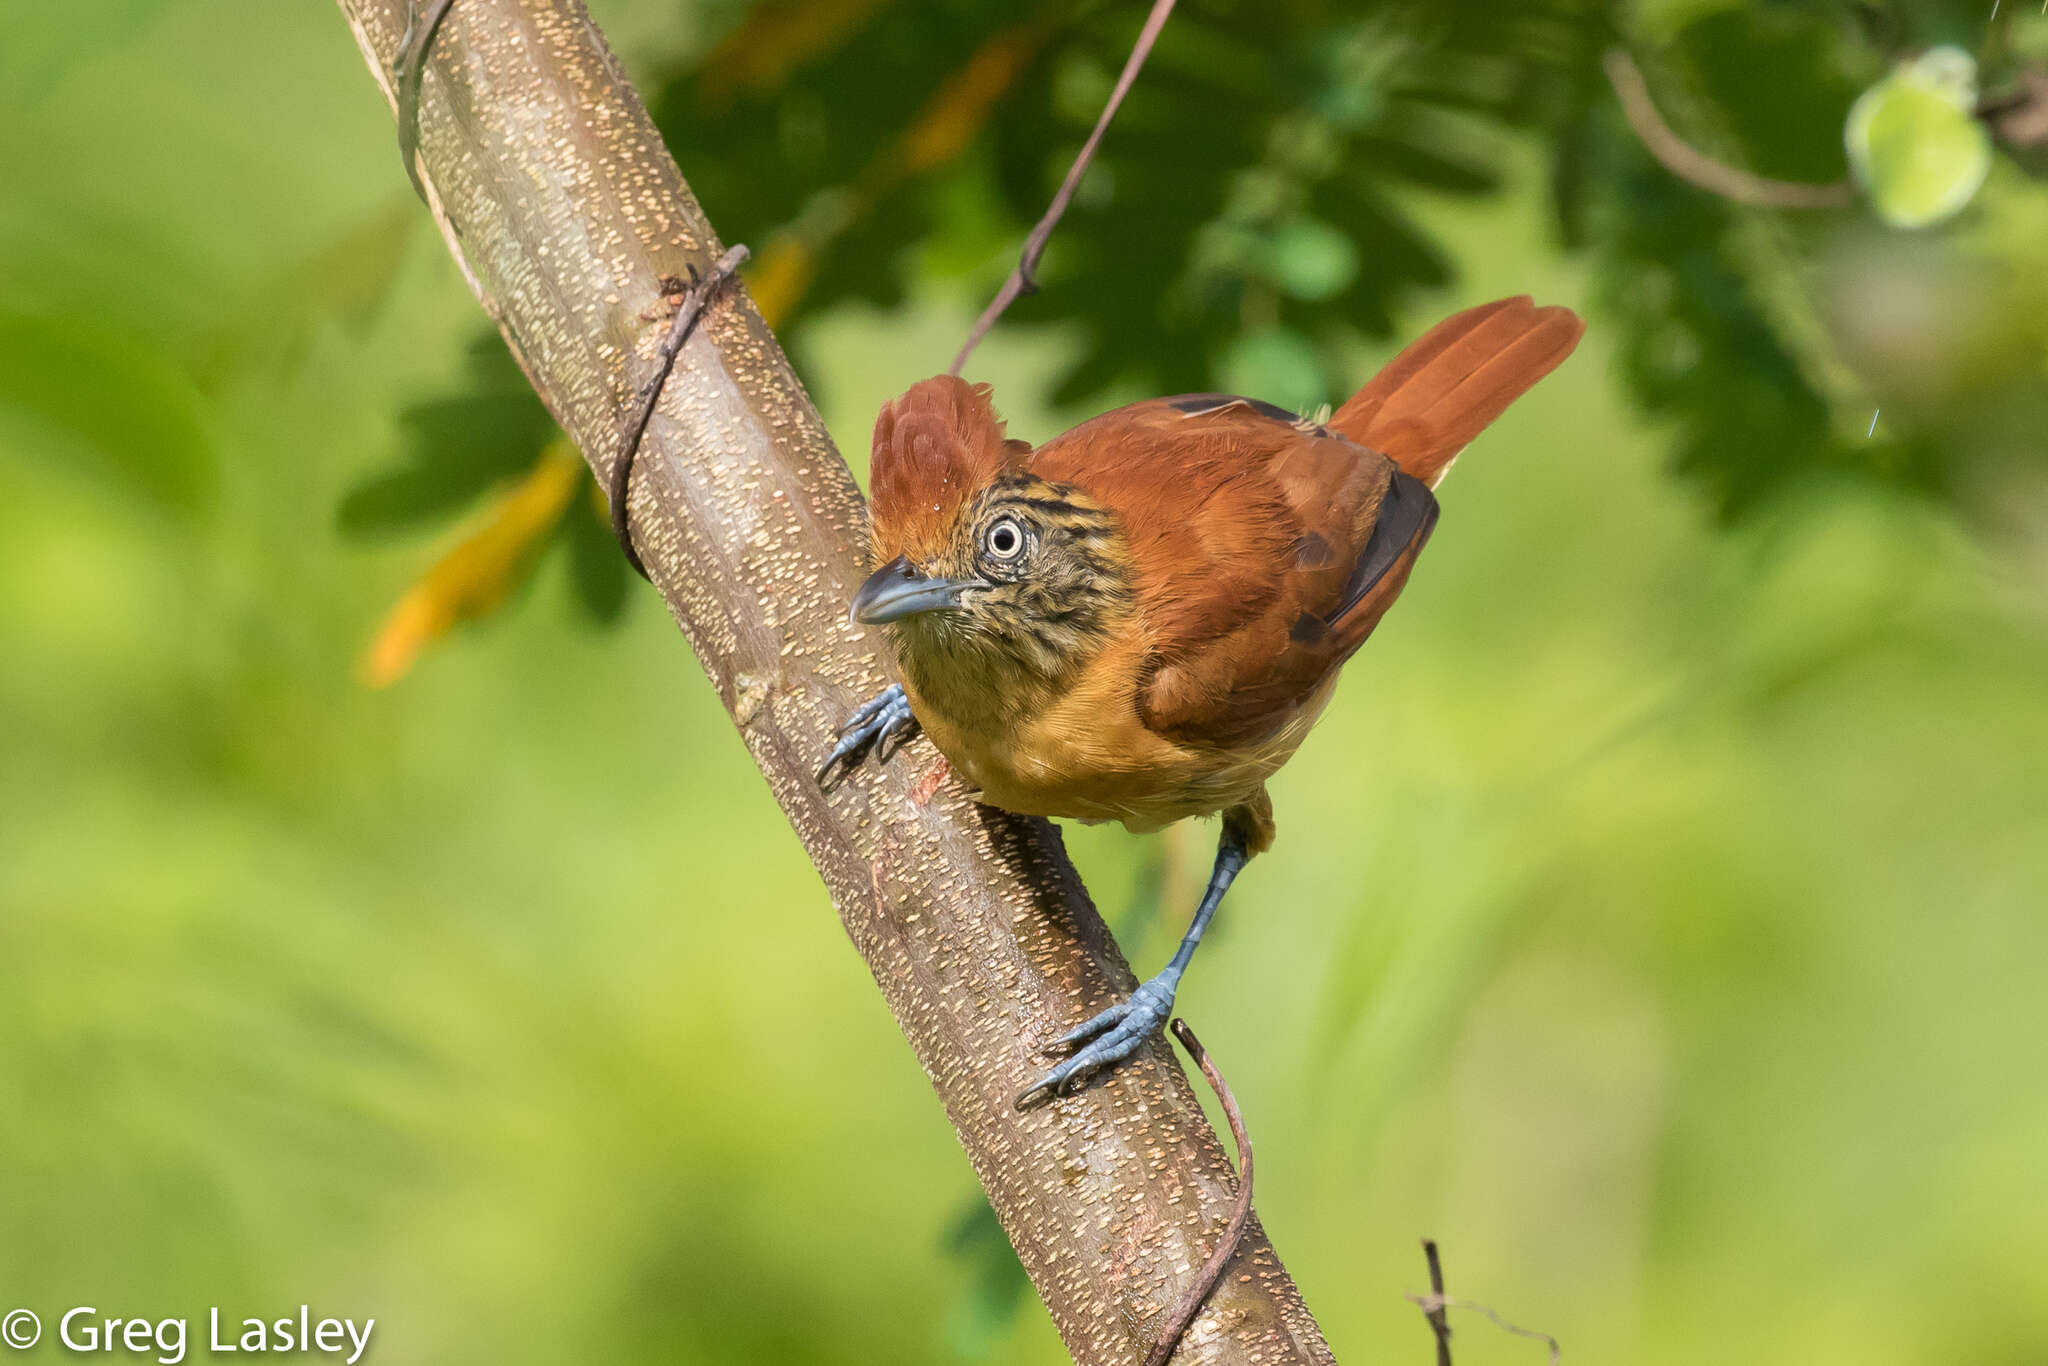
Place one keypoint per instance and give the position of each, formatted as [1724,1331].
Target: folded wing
[1264,551]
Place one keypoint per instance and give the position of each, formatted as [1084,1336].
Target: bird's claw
[883,724]
[1104,1041]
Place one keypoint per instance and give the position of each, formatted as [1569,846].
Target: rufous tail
[1444,389]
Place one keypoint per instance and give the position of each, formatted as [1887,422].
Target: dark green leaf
[597,567]
[456,448]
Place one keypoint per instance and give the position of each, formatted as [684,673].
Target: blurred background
[391,921]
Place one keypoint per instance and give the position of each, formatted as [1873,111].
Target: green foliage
[60,375]
[1251,215]
[1780,86]
[457,447]
[596,568]
[1694,347]
[1656,912]
[1243,223]
[1693,343]
[1755,336]
[1254,180]
[1301,146]
[997,1286]
[44,42]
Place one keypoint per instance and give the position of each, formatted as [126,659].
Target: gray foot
[882,724]
[1109,1038]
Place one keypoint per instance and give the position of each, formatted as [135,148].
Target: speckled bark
[556,194]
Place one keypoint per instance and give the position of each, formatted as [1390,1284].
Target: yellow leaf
[963,104]
[473,578]
[942,130]
[781,276]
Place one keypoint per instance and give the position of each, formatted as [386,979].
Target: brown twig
[1695,167]
[2019,118]
[688,313]
[410,69]
[1436,1302]
[1430,1302]
[1240,1213]
[1439,1321]
[1020,280]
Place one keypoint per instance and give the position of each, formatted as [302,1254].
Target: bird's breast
[1080,750]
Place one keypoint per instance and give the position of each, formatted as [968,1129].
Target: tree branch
[556,195]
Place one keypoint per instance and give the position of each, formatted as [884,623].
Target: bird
[1141,619]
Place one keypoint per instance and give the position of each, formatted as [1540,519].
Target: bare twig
[1430,1303]
[1021,281]
[410,69]
[695,300]
[1439,1321]
[1436,1302]
[1240,1213]
[1695,167]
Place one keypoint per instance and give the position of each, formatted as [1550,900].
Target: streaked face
[1033,567]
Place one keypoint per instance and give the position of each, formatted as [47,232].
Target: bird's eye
[1004,540]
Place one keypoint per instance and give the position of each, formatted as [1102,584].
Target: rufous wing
[1264,550]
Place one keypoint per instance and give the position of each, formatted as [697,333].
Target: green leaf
[1777,87]
[1914,144]
[1311,260]
[1691,344]
[996,1284]
[457,447]
[597,567]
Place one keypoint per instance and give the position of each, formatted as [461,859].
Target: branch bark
[557,197]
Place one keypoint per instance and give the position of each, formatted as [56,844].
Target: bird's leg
[1118,1032]
[883,724]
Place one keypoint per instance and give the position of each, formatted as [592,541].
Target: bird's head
[979,559]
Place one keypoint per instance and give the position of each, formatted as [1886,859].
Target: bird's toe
[882,725]
[1103,1041]
[1088,1029]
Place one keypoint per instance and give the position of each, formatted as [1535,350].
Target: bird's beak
[896,591]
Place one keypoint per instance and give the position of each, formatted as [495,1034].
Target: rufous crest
[935,447]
